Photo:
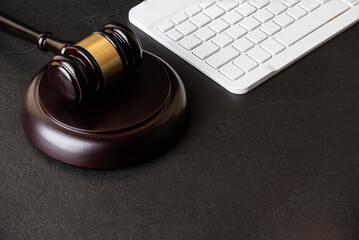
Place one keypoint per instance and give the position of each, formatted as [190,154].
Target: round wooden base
[135,120]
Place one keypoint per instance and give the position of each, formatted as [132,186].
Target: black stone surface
[281,162]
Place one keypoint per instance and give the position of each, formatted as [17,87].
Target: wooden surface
[281,162]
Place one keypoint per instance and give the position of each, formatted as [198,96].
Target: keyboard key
[174,35]
[321,1]
[231,71]
[250,23]
[236,31]
[186,28]
[272,46]
[270,28]
[214,12]
[263,15]
[283,20]
[222,57]
[206,3]
[306,25]
[290,3]
[246,63]
[352,2]
[227,5]
[243,44]
[179,18]
[205,34]
[232,17]
[309,5]
[259,54]
[259,3]
[200,20]
[192,11]
[165,26]
[219,25]
[222,40]
[277,7]
[297,12]
[190,42]
[257,36]
[205,50]
[246,9]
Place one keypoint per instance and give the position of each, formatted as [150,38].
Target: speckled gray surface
[279,163]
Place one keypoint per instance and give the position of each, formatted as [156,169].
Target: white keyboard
[240,44]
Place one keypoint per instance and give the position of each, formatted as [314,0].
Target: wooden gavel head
[85,69]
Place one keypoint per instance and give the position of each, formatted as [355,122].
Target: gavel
[83,70]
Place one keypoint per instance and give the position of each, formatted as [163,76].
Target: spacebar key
[313,21]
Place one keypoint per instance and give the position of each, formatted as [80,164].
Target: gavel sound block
[130,121]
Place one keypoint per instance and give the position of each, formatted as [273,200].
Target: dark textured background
[279,163]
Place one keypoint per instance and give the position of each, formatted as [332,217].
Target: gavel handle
[44,40]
